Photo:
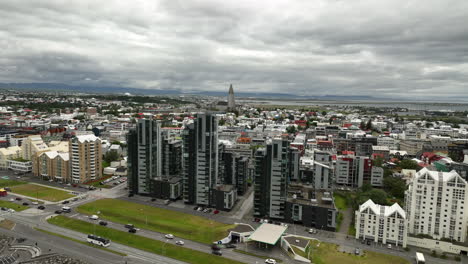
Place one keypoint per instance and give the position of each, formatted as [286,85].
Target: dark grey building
[310,208]
[170,188]
[200,172]
[223,197]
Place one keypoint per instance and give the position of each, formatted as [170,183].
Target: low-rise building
[383,224]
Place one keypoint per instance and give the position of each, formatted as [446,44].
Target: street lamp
[146,216]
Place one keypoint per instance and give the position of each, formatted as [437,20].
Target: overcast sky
[371,47]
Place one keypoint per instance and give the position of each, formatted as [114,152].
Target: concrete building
[31,145]
[382,224]
[85,158]
[355,171]
[144,156]
[389,142]
[323,170]
[435,205]
[200,159]
[270,178]
[53,165]
[10,153]
[310,208]
[231,99]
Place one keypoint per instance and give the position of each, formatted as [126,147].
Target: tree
[111,155]
[369,125]
[396,187]
[221,122]
[324,113]
[362,126]
[291,129]
[408,165]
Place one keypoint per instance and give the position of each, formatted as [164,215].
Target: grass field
[139,242]
[16,206]
[41,192]
[340,201]
[9,183]
[255,255]
[182,225]
[327,253]
[81,242]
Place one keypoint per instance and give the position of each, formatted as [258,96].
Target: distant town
[126,178]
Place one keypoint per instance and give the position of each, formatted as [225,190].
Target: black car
[132,230]
[4,209]
[65,202]
[368,242]
[153,199]
[130,195]
[25,203]
[215,247]
[195,208]
[103,223]
[41,207]
[217,252]
[129,226]
[18,199]
[58,212]
[230,246]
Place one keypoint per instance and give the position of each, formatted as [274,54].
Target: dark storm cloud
[386,48]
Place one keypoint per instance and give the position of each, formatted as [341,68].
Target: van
[66,209]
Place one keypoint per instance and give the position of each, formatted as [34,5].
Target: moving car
[18,199]
[169,236]
[4,209]
[217,252]
[103,223]
[129,226]
[35,203]
[58,212]
[65,202]
[41,207]
[94,217]
[132,230]
[270,261]
[180,243]
[25,203]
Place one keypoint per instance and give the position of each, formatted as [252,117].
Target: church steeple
[231,100]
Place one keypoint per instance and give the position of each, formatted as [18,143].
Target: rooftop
[268,233]
[309,196]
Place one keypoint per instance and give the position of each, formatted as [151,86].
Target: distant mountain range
[60,87]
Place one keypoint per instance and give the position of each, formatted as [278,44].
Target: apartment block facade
[53,165]
[436,205]
[383,224]
[85,158]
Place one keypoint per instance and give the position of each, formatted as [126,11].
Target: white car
[180,243]
[389,246]
[35,203]
[11,210]
[12,200]
[270,261]
[94,217]
[169,236]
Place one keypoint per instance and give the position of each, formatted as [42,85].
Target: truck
[420,258]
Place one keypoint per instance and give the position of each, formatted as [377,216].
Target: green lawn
[80,241]
[41,192]
[340,201]
[153,246]
[16,206]
[327,253]
[9,183]
[255,255]
[182,225]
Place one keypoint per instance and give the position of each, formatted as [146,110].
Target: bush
[406,249]
[457,258]
[434,254]
[443,256]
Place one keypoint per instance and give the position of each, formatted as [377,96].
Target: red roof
[347,152]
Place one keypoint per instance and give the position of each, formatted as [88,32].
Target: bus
[100,241]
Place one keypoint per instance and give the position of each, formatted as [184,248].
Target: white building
[435,204]
[384,224]
[389,142]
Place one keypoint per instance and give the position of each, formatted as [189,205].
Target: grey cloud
[306,47]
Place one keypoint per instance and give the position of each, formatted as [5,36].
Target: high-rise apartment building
[144,156]
[323,170]
[200,159]
[85,158]
[436,205]
[271,178]
[355,171]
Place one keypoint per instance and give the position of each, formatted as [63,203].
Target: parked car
[4,209]
[209,210]
[216,212]
[270,261]
[132,230]
[217,252]
[94,217]
[357,251]
[230,246]
[195,208]
[153,199]
[129,226]
[103,223]
[11,210]
[130,195]
[166,202]
[41,207]
[389,246]
[206,210]
[180,243]
[169,236]
[58,212]
[25,203]
[200,209]
[368,242]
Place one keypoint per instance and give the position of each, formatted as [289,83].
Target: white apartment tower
[435,205]
[384,224]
